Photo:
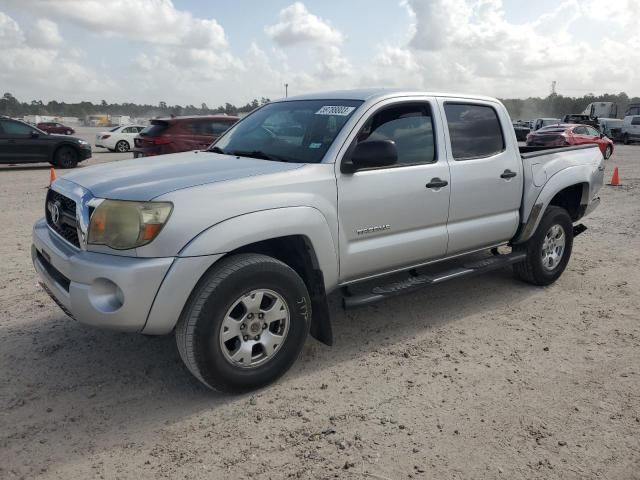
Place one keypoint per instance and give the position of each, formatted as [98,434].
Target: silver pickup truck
[369,193]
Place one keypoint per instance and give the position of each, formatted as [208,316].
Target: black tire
[607,152]
[199,328]
[625,139]
[66,157]
[122,146]
[532,269]
[68,132]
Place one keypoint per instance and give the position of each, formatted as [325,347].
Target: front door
[486,175]
[393,217]
[21,143]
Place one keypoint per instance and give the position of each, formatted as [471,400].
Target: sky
[193,51]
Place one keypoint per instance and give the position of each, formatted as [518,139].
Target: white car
[118,139]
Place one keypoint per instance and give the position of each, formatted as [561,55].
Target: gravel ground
[482,378]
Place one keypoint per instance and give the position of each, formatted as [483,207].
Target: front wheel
[66,157]
[625,139]
[68,132]
[245,323]
[549,250]
[607,152]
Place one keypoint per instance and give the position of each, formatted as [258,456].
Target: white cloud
[10,33]
[151,21]
[44,34]
[26,66]
[297,25]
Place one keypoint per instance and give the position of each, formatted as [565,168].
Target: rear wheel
[68,132]
[66,157]
[122,146]
[549,250]
[625,139]
[245,323]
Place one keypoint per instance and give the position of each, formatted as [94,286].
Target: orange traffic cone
[615,179]
[52,175]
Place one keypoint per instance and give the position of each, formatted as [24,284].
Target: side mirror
[371,154]
[34,134]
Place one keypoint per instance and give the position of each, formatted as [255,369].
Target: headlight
[82,142]
[122,224]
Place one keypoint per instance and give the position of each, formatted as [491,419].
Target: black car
[24,143]
[582,120]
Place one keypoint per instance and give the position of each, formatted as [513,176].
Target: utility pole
[553,87]
[286,90]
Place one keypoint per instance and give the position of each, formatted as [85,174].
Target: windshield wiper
[218,150]
[258,154]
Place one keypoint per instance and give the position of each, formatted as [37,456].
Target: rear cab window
[474,130]
[635,121]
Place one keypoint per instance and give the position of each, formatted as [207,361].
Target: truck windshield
[299,131]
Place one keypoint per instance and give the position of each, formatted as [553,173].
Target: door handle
[437,183]
[508,174]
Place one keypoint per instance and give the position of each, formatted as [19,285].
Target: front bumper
[101,290]
[85,152]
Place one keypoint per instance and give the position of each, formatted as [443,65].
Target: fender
[242,230]
[574,175]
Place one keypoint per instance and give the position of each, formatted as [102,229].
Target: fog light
[105,295]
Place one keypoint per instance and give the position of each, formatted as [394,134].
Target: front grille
[67,224]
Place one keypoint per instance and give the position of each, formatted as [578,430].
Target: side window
[193,127]
[593,132]
[15,128]
[215,128]
[580,131]
[410,126]
[474,130]
[635,121]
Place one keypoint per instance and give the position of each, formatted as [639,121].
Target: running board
[418,281]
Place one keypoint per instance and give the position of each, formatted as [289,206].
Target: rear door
[389,217]
[486,174]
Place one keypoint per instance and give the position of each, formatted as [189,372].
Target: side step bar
[418,281]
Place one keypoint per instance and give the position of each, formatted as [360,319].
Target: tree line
[554,106]
[11,106]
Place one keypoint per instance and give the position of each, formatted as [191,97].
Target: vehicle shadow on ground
[15,167]
[78,379]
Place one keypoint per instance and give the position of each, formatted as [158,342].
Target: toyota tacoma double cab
[366,193]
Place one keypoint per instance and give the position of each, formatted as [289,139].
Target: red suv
[180,134]
[55,127]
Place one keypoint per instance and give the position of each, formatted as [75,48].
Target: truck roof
[366,94]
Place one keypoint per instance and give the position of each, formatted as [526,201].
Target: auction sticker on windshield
[340,110]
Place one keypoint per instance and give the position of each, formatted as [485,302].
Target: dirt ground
[482,378]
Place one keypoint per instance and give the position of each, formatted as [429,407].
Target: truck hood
[146,178]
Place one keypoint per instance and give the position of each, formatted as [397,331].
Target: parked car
[538,123]
[118,139]
[24,143]
[581,120]
[180,134]
[55,127]
[631,129]
[522,129]
[612,128]
[236,248]
[564,134]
